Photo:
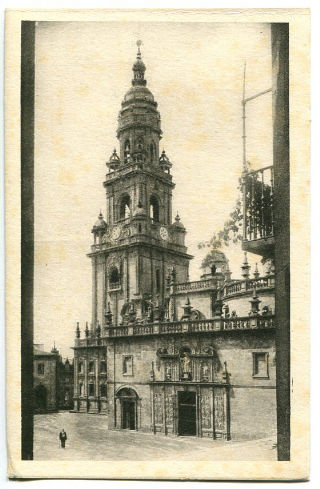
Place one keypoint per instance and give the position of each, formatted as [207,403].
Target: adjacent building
[52,381]
[163,353]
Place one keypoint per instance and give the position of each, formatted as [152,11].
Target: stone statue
[186,364]
[168,372]
[205,372]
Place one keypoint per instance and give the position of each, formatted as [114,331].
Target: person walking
[63,438]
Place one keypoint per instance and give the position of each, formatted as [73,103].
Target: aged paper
[181,350]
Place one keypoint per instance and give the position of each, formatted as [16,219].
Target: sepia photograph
[156,231]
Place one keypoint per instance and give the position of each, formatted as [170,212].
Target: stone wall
[251,397]
[48,380]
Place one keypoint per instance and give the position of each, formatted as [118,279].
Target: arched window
[154,208]
[125,207]
[80,389]
[151,152]
[114,276]
[139,144]
[139,150]
[126,149]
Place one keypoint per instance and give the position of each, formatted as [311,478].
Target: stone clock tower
[137,249]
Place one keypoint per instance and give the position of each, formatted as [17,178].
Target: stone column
[96,391]
[76,377]
[281,161]
[85,384]
[94,292]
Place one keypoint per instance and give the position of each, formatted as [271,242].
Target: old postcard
[157,176]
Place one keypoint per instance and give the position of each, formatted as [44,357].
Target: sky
[83,70]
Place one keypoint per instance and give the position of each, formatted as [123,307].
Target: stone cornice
[126,172]
[126,246]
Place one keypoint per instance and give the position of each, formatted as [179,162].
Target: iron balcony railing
[258,204]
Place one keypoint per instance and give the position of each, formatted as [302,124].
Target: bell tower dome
[139,129]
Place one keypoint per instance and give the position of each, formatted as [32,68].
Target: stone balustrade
[133,166]
[210,283]
[196,326]
[115,286]
[229,289]
[143,329]
[243,286]
[150,238]
[122,170]
[174,327]
[183,327]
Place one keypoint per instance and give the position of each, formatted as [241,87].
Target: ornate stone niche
[186,365]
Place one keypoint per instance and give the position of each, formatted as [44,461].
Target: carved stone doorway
[187,414]
[128,402]
[128,415]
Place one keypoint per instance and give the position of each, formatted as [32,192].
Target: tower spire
[139,42]
[139,69]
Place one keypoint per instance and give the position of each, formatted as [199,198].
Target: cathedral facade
[165,354]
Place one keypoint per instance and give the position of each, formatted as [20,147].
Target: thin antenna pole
[244,156]
[244,140]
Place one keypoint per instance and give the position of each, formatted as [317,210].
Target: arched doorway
[128,405]
[40,398]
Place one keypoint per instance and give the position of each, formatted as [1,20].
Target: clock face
[115,233]
[163,233]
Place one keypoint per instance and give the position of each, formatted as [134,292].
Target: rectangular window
[260,365]
[103,390]
[91,389]
[40,368]
[127,365]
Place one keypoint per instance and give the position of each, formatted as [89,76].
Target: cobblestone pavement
[90,439]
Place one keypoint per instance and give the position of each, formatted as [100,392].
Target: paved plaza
[90,439]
